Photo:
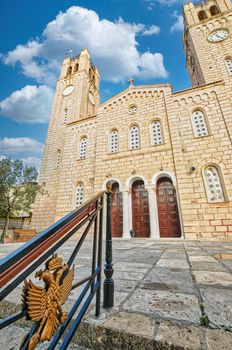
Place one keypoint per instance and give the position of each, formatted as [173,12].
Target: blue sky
[126,38]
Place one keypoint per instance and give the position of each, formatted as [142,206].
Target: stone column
[153,212]
[126,217]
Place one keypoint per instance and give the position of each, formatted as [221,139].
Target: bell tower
[76,99]
[208,40]
[78,88]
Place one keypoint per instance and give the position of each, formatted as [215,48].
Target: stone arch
[162,173]
[134,178]
[214,10]
[202,15]
[111,180]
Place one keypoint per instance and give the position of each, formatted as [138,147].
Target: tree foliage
[18,188]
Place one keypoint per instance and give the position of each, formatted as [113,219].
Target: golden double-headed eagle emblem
[44,304]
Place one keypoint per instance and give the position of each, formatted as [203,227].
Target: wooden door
[140,210]
[116,211]
[169,221]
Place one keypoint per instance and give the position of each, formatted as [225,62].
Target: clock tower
[74,107]
[208,41]
[78,88]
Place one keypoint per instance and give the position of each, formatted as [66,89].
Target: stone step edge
[167,335]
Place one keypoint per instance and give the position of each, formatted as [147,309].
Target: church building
[168,155]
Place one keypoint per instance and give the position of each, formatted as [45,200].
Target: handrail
[28,246]
[58,276]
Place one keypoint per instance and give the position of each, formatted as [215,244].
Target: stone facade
[193,149]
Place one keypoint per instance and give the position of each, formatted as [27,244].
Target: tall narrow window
[213,185]
[134,137]
[156,130]
[65,115]
[76,67]
[83,147]
[202,15]
[214,10]
[199,124]
[79,194]
[58,158]
[228,63]
[69,71]
[113,141]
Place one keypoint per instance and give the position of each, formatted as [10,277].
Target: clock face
[91,98]
[218,35]
[68,90]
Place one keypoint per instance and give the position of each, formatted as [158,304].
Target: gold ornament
[43,304]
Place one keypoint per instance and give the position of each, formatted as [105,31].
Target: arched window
[199,124]
[214,10]
[134,137]
[83,147]
[76,67]
[213,184]
[156,131]
[69,71]
[79,194]
[113,141]
[228,63]
[58,158]
[65,115]
[202,15]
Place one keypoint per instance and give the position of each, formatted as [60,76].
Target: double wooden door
[169,221]
[140,210]
[116,211]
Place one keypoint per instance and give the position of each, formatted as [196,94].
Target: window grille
[228,63]
[199,124]
[83,148]
[157,138]
[132,110]
[134,137]
[79,194]
[214,186]
[58,158]
[65,115]
[114,141]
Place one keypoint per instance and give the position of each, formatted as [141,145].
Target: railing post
[109,282]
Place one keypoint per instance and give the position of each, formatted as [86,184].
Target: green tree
[18,188]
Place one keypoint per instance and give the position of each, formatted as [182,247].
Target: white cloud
[178,26]
[152,64]
[151,31]
[113,46]
[31,104]
[20,145]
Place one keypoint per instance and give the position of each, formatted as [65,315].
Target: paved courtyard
[168,295]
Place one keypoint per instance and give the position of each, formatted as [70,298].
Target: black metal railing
[17,266]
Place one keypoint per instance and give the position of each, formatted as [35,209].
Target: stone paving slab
[213,278]
[177,280]
[164,304]
[162,290]
[218,306]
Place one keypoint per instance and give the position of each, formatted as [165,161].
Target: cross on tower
[131,81]
[68,53]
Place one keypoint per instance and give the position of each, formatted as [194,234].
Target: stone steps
[12,336]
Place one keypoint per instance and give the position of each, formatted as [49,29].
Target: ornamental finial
[131,81]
